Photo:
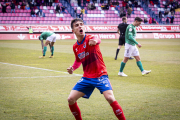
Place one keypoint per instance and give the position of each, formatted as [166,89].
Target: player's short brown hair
[138,19]
[75,20]
[124,18]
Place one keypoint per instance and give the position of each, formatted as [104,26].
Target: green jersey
[45,35]
[130,35]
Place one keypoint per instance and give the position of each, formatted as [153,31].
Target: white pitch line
[35,77]
[38,68]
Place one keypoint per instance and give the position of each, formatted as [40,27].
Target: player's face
[138,23]
[78,28]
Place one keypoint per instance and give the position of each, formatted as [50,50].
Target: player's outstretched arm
[74,67]
[94,41]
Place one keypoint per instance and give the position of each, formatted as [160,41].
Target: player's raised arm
[94,41]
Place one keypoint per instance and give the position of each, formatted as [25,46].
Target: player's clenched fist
[70,70]
[92,42]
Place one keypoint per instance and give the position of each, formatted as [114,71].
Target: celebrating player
[130,47]
[121,31]
[50,38]
[87,52]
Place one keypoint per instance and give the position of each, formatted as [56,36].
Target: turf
[37,89]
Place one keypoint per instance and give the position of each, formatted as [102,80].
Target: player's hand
[92,42]
[70,70]
[139,45]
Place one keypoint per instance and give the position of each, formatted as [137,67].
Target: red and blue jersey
[90,57]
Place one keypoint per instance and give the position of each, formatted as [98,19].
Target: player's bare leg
[73,97]
[139,64]
[109,96]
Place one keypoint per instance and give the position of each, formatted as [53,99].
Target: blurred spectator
[169,14]
[122,13]
[31,5]
[4,7]
[130,4]
[33,13]
[23,5]
[63,8]
[129,11]
[38,3]
[172,18]
[124,3]
[139,3]
[79,2]
[27,7]
[83,11]
[12,7]
[40,13]
[165,5]
[51,2]
[105,7]
[58,10]
[167,20]
[111,5]
[160,14]
[172,9]
[145,21]
[75,12]
[46,2]
[29,1]
[136,4]
[153,21]
[93,7]
[166,13]
[127,6]
[150,21]
[117,7]
[89,6]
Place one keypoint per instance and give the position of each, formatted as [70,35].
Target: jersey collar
[81,41]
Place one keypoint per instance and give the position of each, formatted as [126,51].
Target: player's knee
[71,100]
[110,99]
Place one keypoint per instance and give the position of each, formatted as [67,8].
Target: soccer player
[87,52]
[130,47]
[121,29]
[50,38]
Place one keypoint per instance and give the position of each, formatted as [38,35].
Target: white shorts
[130,50]
[52,38]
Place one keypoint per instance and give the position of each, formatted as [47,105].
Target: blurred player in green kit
[50,38]
[131,49]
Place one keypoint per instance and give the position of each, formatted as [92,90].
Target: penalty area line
[38,68]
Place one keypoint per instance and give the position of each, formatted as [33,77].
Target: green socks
[52,50]
[122,66]
[44,50]
[139,64]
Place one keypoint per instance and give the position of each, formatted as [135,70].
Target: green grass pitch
[37,89]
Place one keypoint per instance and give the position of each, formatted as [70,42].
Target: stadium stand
[97,16]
